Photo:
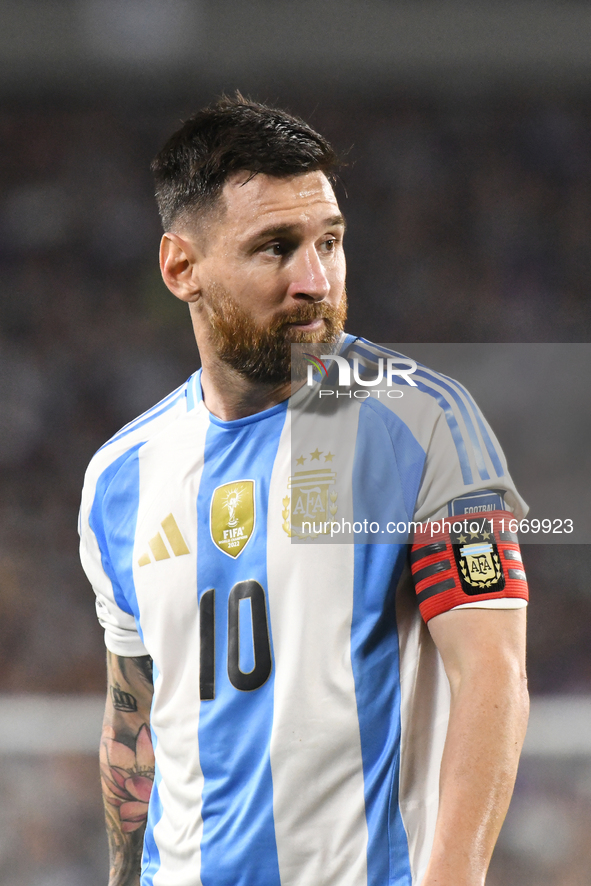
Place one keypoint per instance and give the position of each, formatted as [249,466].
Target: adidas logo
[157,546]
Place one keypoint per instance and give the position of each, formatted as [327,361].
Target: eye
[279,248]
[329,245]
[274,249]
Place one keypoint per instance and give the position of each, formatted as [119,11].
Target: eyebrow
[278,230]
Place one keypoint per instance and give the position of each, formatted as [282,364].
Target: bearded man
[282,710]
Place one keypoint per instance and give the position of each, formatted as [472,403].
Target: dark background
[467,133]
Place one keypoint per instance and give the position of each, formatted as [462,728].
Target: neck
[229,396]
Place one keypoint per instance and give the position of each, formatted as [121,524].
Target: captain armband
[473,559]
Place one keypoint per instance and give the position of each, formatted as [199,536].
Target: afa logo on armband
[477,558]
[476,503]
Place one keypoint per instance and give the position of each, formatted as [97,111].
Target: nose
[308,276]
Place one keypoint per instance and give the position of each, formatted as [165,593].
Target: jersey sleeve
[120,631]
[466,478]
[460,468]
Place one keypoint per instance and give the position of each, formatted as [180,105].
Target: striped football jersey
[300,705]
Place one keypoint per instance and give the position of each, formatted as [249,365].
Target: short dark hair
[233,134]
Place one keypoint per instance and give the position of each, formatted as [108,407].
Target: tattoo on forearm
[145,666]
[123,701]
[142,665]
[127,765]
[125,852]
[127,775]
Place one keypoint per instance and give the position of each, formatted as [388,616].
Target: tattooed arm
[127,763]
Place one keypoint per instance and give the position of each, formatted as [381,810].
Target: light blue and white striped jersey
[300,706]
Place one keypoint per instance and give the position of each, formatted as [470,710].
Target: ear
[179,267]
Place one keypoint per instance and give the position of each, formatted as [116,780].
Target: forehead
[265,200]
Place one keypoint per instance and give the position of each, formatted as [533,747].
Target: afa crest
[232,516]
[311,501]
[477,558]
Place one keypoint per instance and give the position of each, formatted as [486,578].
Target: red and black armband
[473,559]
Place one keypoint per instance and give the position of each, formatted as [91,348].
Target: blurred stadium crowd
[469,220]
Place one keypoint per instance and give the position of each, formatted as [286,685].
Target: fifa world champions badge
[232,516]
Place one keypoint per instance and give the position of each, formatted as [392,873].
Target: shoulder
[403,370]
[413,392]
[438,410]
[421,390]
[122,447]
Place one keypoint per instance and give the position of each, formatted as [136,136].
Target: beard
[264,354]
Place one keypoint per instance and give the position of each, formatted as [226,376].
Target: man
[298,704]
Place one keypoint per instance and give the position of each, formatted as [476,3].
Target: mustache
[305,314]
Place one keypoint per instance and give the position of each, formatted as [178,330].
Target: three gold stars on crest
[315,456]
[462,539]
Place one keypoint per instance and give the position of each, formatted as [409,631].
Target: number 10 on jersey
[245,681]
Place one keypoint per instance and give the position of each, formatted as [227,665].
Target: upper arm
[487,643]
[126,754]
[129,688]
[127,762]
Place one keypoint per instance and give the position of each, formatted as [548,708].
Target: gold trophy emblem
[232,516]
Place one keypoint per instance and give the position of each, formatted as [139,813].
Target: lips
[305,322]
[302,320]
